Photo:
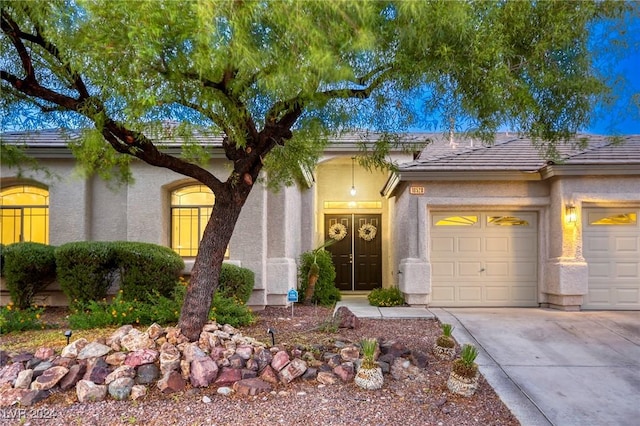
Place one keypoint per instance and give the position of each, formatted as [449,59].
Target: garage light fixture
[570,213]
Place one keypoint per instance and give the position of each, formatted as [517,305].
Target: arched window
[24,214]
[191,208]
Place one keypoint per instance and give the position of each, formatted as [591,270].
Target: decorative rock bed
[130,360]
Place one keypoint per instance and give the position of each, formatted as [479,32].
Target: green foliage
[228,310]
[391,296]
[326,293]
[15,319]
[368,347]
[145,268]
[85,270]
[447,329]
[156,308]
[468,354]
[29,268]
[236,282]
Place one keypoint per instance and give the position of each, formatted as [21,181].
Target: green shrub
[326,293]
[386,297]
[228,310]
[14,319]
[236,282]
[160,309]
[146,268]
[85,270]
[29,268]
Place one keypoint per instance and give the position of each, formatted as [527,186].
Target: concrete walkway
[549,367]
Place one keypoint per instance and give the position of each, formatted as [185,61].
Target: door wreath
[367,232]
[337,231]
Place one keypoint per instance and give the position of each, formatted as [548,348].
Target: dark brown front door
[357,256]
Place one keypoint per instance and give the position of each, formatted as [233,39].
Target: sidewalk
[359,305]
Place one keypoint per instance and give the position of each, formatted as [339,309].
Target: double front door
[357,252]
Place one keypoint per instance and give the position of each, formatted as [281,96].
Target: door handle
[482,270]
[350,257]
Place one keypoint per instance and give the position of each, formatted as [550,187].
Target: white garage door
[484,259]
[611,247]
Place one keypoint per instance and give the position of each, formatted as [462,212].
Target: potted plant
[463,379]
[445,346]
[369,375]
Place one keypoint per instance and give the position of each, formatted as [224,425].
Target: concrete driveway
[554,367]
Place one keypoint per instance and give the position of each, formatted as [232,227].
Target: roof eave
[589,170]
[461,175]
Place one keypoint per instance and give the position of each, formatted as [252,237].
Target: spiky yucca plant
[465,366]
[445,340]
[368,347]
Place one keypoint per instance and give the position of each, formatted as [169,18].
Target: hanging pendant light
[353,187]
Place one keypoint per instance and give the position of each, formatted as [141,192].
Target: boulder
[97,371]
[23,381]
[141,356]
[116,358]
[147,374]
[345,372]
[9,373]
[49,378]
[124,371]
[252,386]
[73,376]
[114,339]
[94,350]
[280,359]
[169,358]
[171,382]
[293,370]
[138,391]
[135,340]
[203,371]
[155,331]
[44,353]
[347,318]
[120,389]
[327,378]
[73,349]
[350,353]
[228,376]
[87,391]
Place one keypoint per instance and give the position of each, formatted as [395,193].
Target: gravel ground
[406,402]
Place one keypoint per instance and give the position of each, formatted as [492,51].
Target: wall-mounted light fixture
[570,213]
[353,187]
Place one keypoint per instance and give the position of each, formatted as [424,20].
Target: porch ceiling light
[353,187]
[570,213]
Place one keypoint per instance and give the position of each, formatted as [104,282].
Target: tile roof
[514,153]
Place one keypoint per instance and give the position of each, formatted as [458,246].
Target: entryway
[357,253]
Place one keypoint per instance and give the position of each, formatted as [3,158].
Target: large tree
[276,77]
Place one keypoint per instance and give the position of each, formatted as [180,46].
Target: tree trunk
[208,263]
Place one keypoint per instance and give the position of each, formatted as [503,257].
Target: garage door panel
[525,270]
[626,270]
[525,246]
[469,245]
[469,294]
[443,245]
[630,296]
[469,269]
[443,269]
[612,250]
[523,293]
[497,294]
[497,245]
[497,269]
[446,294]
[626,244]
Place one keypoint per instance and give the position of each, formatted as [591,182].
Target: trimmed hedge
[326,293]
[236,282]
[146,268]
[85,270]
[29,268]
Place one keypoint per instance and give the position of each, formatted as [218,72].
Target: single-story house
[459,224]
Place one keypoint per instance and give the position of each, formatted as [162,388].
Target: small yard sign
[292,296]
